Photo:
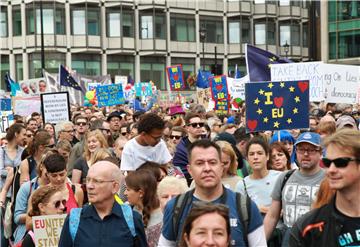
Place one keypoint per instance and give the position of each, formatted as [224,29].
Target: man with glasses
[81,126]
[148,145]
[116,119]
[337,223]
[295,195]
[194,127]
[65,131]
[102,222]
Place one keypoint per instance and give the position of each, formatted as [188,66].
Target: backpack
[286,178]
[243,207]
[75,213]
[32,235]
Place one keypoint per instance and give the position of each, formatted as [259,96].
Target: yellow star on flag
[270,85]
[297,99]
[282,84]
[259,111]
[265,120]
[289,121]
[269,65]
[292,89]
[256,101]
[276,124]
[261,91]
[295,110]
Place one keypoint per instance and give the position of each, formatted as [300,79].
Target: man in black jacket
[338,222]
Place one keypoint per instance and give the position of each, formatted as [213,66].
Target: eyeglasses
[106,130]
[68,131]
[339,162]
[307,150]
[81,124]
[97,181]
[57,204]
[194,125]
[176,137]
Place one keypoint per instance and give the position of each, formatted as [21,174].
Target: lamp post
[202,33]
[286,48]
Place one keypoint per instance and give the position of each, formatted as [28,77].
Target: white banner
[237,87]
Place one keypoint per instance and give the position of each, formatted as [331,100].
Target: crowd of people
[182,177]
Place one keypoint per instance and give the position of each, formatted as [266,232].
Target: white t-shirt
[134,155]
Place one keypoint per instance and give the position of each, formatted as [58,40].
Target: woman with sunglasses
[93,141]
[36,148]
[47,200]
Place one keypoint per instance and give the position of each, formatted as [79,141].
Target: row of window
[120,23]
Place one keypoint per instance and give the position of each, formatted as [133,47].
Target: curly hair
[150,121]
[41,195]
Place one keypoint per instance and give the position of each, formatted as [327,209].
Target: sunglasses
[81,124]
[194,125]
[57,204]
[339,162]
[176,137]
[124,133]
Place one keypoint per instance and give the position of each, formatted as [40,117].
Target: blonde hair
[227,148]
[99,136]
[176,183]
[347,139]
[100,154]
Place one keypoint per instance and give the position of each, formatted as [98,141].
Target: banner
[7,119]
[47,229]
[55,107]
[109,95]
[5,104]
[237,87]
[143,89]
[219,88]
[24,106]
[277,105]
[222,107]
[176,77]
[32,87]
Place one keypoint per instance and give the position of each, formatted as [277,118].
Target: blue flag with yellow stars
[68,80]
[176,77]
[259,61]
[277,105]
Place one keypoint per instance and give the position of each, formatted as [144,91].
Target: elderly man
[65,131]
[103,222]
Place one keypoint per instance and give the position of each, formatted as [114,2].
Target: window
[214,31]
[284,35]
[16,22]
[290,33]
[78,22]
[182,29]
[128,24]
[146,27]
[60,21]
[120,65]
[348,10]
[48,21]
[153,68]
[160,27]
[120,23]
[305,35]
[52,23]
[245,31]
[113,24]
[19,67]
[234,32]
[86,64]
[3,23]
[284,2]
[239,31]
[93,22]
[4,68]
[52,62]
[265,33]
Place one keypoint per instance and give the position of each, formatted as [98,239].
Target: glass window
[19,67]
[332,45]
[260,36]
[234,32]
[16,22]
[93,22]
[284,2]
[120,65]
[259,1]
[48,21]
[128,25]
[182,29]
[290,33]
[3,23]
[86,64]
[214,31]
[348,44]
[305,35]
[271,30]
[152,69]
[146,27]
[245,31]
[53,24]
[78,22]
[113,25]
[60,21]
[160,27]
[4,68]
[52,62]
[30,21]
[284,35]
[295,35]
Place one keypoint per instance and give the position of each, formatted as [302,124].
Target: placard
[24,106]
[55,107]
[237,87]
[108,95]
[7,119]
[47,229]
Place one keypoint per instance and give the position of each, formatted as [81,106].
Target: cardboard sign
[7,119]
[55,107]
[277,105]
[47,229]
[237,87]
[143,89]
[109,95]
[219,88]
[176,77]
[33,87]
[203,95]
[24,106]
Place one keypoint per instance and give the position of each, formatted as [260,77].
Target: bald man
[102,223]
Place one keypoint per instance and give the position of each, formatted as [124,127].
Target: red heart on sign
[143,88]
[252,124]
[219,87]
[176,77]
[303,86]
[278,101]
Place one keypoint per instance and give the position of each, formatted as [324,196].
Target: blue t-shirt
[235,223]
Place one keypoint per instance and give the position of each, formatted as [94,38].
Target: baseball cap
[309,137]
[119,114]
[345,120]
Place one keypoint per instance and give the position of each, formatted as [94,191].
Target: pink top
[71,202]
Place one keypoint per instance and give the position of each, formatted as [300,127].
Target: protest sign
[7,119]
[143,89]
[24,106]
[47,229]
[277,105]
[120,79]
[32,87]
[222,107]
[176,77]
[92,85]
[219,88]
[203,95]
[55,107]
[108,95]
[237,87]
[5,104]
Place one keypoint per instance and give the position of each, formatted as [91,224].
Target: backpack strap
[246,192]
[180,202]
[243,206]
[32,235]
[286,178]
[128,215]
[74,221]
[32,164]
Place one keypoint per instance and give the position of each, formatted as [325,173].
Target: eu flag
[277,105]
[258,63]
[203,79]
[67,80]
[11,85]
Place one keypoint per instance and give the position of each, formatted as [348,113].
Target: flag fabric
[176,77]
[51,82]
[68,80]
[237,73]
[277,105]
[12,85]
[258,63]
[203,79]
[219,88]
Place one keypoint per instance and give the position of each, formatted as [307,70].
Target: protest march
[268,159]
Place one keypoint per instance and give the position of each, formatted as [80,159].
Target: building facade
[141,37]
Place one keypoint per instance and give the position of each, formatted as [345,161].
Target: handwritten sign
[24,106]
[237,87]
[47,229]
[55,107]
[143,89]
[7,119]
[219,88]
[203,95]
[109,95]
